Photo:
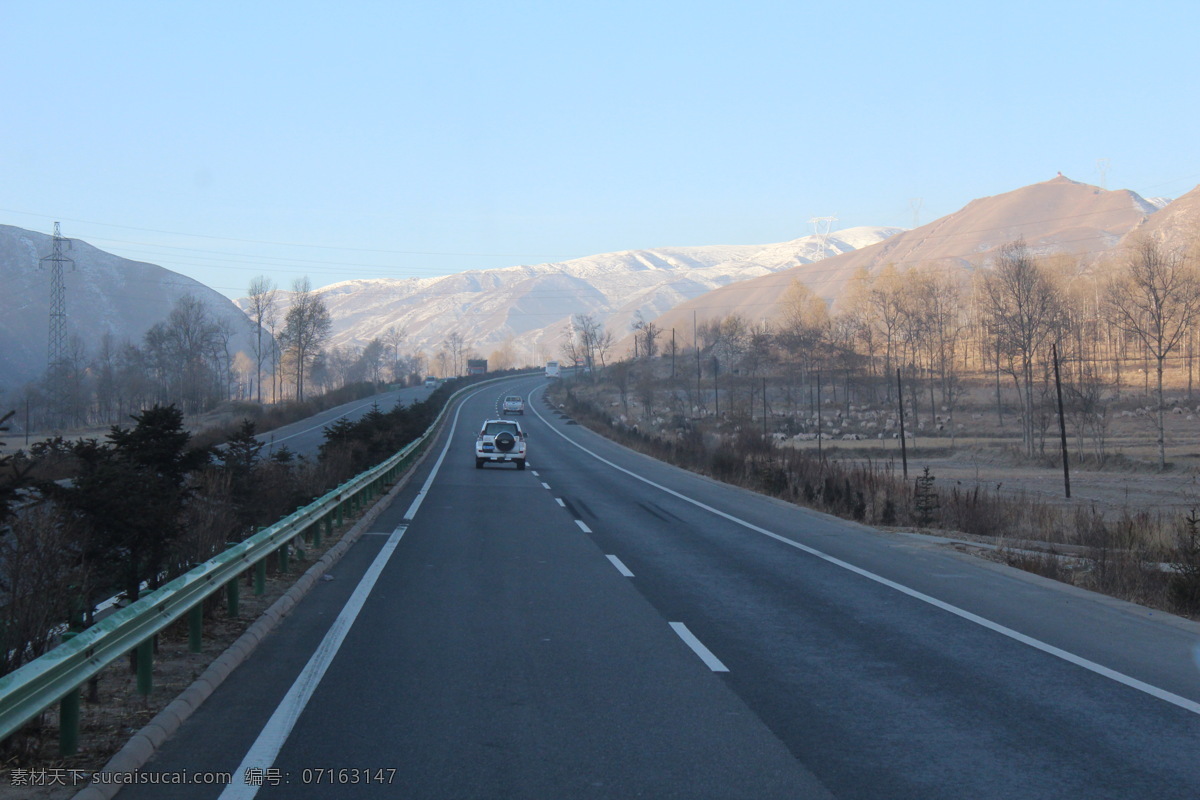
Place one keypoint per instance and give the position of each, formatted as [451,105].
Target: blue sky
[350,140]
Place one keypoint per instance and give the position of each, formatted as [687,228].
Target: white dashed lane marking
[705,654]
[621,568]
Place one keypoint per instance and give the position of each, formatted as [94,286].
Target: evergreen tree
[925,500]
[130,492]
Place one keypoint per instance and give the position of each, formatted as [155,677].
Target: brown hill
[1056,216]
[1177,225]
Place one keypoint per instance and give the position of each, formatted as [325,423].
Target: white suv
[501,441]
[513,404]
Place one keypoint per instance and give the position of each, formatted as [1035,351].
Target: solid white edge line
[1099,669]
[270,741]
[582,526]
[621,568]
[705,654]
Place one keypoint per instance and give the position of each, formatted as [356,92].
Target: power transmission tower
[56,356]
[915,205]
[822,226]
[1102,165]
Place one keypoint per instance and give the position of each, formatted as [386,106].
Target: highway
[306,436]
[603,625]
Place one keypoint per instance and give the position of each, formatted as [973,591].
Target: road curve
[605,625]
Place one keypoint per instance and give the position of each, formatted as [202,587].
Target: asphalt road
[306,436]
[602,625]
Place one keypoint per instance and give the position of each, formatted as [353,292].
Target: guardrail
[57,676]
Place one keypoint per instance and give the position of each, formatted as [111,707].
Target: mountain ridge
[1055,216]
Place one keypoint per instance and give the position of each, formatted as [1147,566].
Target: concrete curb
[142,746]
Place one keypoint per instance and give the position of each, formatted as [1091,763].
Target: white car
[500,441]
[513,404]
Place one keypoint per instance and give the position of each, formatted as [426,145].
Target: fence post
[231,596]
[68,716]
[196,627]
[145,667]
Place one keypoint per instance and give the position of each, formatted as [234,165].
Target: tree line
[1114,325]
[188,360]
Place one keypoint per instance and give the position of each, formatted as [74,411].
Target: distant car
[513,404]
[500,441]
[431,383]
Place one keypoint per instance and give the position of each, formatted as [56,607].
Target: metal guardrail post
[145,667]
[339,513]
[232,592]
[316,530]
[196,628]
[68,717]
[283,557]
[260,577]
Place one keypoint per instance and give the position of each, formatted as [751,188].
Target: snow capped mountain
[1055,216]
[528,308]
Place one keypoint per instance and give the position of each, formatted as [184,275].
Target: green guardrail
[57,676]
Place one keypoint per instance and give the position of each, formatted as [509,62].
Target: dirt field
[972,446]
[1128,480]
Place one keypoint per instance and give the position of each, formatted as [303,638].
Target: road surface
[306,436]
[603,625]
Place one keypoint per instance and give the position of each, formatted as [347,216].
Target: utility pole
[56,352]
[820,452]
[696,342]
[672,354]
[903,445]
[1062,422]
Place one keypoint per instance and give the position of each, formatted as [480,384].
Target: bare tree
[804,322]
[372,360]
[603,344]
[1023,309]
[646,334]
[1156,298]
[456,346]
[393,337]
[306,329]
[263,296]
[882,308]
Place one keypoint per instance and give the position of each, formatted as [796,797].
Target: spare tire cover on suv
[505,441]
